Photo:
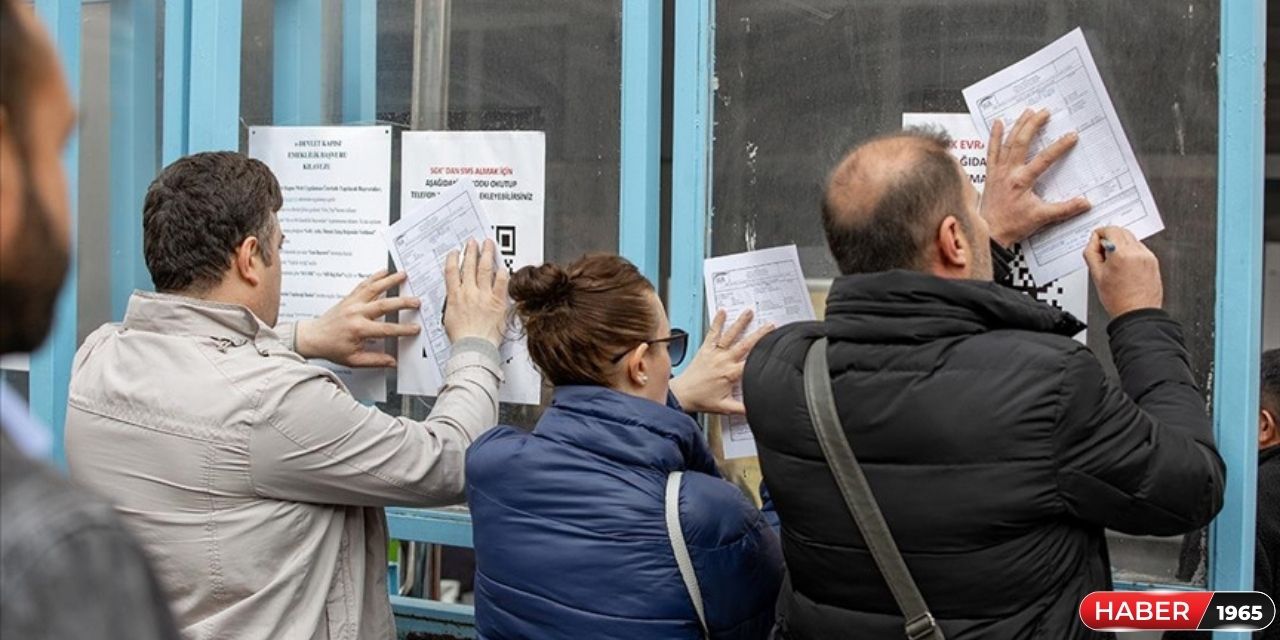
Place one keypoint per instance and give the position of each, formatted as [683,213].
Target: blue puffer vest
[570,534]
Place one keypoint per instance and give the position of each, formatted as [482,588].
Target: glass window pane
[799,83]
[94,204]
[551,66]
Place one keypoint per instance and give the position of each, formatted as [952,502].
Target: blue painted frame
[1238,319]
[213,80]
[359,61]
[133,142]
[202,77]
[298,94]
[691,130]
[176,114]
[639,234]
[51,364]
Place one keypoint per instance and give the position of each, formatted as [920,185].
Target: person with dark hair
[253,477]
[997,447]
[1267,553]
[68,567]
[609,519]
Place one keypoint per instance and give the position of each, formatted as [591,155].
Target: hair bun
[541,288]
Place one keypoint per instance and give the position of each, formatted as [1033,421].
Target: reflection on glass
[800,82]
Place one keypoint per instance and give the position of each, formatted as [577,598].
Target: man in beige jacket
[253,477]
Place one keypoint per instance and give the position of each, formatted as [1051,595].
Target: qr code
[1020,278]
[505,237]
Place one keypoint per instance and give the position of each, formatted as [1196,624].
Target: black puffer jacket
[997,447]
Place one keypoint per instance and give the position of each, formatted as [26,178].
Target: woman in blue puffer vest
[570,529]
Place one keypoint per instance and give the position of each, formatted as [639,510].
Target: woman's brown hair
[578,318]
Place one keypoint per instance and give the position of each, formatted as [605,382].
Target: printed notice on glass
[967,146]
[1063,78]
[770,283]
[1069,293]
[420,243]
[336,183]
[506,171]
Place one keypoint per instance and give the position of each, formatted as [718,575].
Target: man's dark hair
[1271,381]
[198,210]
[893,230]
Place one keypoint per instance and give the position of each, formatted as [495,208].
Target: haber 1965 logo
[1177,610]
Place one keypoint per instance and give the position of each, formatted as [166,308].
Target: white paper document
[1063,78]
[420,242]
[506,171]
[336,183]
[768,282]
[1070,292]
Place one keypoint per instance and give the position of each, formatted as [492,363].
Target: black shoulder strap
[858,497]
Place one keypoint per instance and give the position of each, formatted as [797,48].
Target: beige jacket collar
[180,315]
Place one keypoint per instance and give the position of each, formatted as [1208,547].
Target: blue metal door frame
[51,364]
[1238,319]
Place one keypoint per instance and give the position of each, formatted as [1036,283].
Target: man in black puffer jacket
[998,447]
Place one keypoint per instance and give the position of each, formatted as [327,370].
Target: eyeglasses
[677,344]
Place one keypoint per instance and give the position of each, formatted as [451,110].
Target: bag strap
[676,535]
[920,624]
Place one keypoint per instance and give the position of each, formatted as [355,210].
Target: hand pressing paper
[1063,78]
[768,282]
[419,243]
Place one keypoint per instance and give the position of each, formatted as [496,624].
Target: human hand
[476,299]
[1009,202]
[1126,275]
[707,384]
[342,333]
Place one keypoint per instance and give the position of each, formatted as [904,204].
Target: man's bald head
[886,198]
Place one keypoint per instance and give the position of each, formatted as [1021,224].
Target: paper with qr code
[506,173]
[1069,293]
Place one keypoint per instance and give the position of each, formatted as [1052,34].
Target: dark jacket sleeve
[736,557]
[1266,576]
[1138,457]
[1001,264]
[94,583]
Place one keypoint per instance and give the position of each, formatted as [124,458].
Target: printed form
[420,242]
[768,282]
[1063,78]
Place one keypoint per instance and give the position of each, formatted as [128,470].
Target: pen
[1108,246]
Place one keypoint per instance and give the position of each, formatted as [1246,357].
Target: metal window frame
[297,75]
[51,364]
[1239,247]
[693,114]
[133,142]
[1238,319]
